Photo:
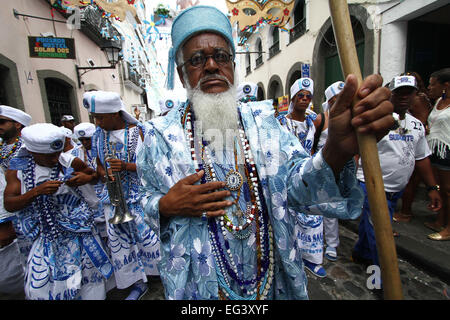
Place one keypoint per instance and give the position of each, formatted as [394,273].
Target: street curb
[415,252]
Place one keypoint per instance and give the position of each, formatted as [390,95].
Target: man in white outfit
[330,225]
[12,121]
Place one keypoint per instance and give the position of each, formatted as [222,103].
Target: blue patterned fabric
[57,235]
[287,175]
[308,228]
[134,247]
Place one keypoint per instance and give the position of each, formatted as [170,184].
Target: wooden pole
[370,161]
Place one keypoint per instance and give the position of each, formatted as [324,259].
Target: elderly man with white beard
[218,175]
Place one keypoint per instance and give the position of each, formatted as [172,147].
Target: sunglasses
[301,95]
[199,59]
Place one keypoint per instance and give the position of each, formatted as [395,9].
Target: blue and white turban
[166,105]
[332,91]
[84,130]
[301,84]
[43,138]
[16,115]
[107,102]
[190,22]
[247,91]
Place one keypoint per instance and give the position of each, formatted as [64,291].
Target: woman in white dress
[439,142]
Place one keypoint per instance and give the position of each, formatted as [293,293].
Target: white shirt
[399,152]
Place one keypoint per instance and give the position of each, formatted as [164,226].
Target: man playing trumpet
[134,247]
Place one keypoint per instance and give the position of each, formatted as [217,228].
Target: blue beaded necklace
[259,285]
[43,205]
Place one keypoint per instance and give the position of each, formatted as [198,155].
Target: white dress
[133,245]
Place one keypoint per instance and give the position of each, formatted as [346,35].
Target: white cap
[167,105]
[402,81]
[331,91]
[106,102]
[16,115]
[67,132]
[302,84]
[43,138]
[84,130]
[67,117]
[247,89]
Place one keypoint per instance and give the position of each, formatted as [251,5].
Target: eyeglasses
[3,121]
[301,95]
[199,59]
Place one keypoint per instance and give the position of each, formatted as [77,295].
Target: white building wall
[394,33]
[393,49]
[301,50]
[14,46]
[386,19]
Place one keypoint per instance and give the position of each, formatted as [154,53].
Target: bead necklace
[43,204]
[107,144]
[128,146]
[261,283]
[5,155]
[14,147]
[251,211]
[90,160]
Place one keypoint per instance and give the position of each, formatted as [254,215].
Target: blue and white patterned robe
[134,247]
[187,265]
[308,228]
[67,259]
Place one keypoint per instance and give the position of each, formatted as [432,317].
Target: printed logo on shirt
[397,136]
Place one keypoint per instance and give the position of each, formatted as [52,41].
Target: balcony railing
[130,74]
[259,61]
[297,31]
[274,49]
[96,27]
[248,69]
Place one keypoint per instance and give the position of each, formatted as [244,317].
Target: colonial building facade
[48,85]
[387,35]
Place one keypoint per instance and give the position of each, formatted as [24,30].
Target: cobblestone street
[345,280]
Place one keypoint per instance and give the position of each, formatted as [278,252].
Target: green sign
[50,47]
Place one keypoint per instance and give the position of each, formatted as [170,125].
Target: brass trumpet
[115,191]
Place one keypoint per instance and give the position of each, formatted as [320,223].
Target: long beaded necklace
[258,287]
[90,160]
[44,204]
[5,154]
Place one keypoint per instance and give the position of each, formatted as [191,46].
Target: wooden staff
[369,156]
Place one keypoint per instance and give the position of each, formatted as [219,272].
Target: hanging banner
[283,104]
[305,70]
[50,47]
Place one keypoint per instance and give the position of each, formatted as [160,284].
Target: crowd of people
[217,196]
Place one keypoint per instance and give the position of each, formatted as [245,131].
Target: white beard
[216,115]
